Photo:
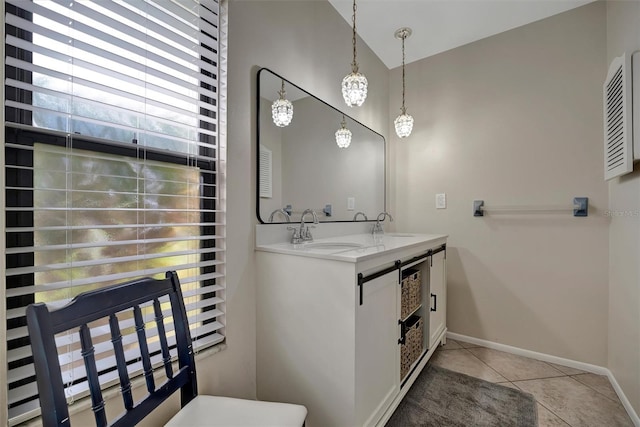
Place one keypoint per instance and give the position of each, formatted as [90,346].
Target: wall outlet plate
[441,201]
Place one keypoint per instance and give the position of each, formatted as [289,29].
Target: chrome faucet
[377,227]
[284,213]
[303,234]
[355,217]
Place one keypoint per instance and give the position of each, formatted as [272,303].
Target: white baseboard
[623,398]
[595,369]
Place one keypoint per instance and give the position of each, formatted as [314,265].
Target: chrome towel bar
[580,207]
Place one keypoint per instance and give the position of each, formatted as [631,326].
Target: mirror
[300,166]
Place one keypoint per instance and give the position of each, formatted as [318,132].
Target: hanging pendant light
[354,85]
[343,135]
[282,109]
[404,122]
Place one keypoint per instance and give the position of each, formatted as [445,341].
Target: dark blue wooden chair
[126,301]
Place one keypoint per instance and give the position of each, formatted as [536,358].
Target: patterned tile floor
[565,396]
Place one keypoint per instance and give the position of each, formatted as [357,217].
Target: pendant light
[343,135]
[282,109]
[404,122]
[354,85]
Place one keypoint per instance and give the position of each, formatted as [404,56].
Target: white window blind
[114,166]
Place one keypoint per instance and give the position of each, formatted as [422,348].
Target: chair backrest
[126,301]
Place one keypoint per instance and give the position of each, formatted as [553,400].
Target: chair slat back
[44,323]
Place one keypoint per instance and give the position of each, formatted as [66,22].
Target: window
[113,164]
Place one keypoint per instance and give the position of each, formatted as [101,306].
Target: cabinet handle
[435,302]
[403,332]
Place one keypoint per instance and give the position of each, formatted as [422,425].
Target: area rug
[443,398]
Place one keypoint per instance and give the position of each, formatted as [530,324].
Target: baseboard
[623,398]
[595,369]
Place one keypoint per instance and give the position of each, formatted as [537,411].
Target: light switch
[351,203]
[441,201]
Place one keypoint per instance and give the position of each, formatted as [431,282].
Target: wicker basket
[412,348]
[411,292]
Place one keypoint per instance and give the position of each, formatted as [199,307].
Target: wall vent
[266,173]
[619,123]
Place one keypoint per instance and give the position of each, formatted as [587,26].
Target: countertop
[354,247]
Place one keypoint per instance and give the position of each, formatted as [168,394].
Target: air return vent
[266,174]
[618,116]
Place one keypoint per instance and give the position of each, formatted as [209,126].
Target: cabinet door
[438,295]
[377,350]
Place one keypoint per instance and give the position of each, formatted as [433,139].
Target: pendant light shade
[282,109]
[404,122]
[343,135]
[354,88]
[404,125]
[354,85]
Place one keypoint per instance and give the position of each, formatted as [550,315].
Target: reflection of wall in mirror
[316,172]
[271,138]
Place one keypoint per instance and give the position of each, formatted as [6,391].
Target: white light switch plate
[351,203]
[441,201]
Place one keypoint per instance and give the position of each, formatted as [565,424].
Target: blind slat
[108,278]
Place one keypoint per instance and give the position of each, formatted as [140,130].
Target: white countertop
[343,248]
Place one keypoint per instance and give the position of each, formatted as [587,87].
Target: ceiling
[440,25]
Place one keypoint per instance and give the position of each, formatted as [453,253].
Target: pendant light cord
[404,122]
[354,64]
[404,110]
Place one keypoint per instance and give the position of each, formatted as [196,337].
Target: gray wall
[514,119]
[623,34]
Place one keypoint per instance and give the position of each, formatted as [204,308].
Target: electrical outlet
[441,201]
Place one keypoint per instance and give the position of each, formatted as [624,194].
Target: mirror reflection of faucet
[377,227]
[355,217]
[287,217]
[303,234]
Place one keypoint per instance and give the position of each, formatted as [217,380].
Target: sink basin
[399,234]
[332,245]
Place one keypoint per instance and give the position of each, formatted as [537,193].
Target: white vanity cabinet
[329,327]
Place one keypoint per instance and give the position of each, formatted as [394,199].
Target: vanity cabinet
[330,331]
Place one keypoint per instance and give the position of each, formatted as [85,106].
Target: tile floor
[565,396]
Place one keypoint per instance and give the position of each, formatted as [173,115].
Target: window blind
[114,167]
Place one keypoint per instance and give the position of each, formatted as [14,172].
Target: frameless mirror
[300,165]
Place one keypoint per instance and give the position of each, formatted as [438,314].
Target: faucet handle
[296,236]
